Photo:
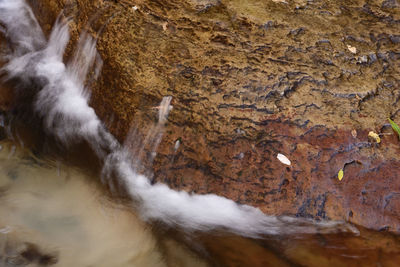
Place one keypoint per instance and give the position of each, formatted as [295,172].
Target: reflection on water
[369,249]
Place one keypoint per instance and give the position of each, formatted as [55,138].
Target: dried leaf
[395,127]
[165,26]
[352,49]
[282,158]
[354,133]
[374,136]
[340,174]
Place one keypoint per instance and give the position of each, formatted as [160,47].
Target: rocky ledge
[249,80]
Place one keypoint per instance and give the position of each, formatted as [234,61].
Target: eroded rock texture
[250,79]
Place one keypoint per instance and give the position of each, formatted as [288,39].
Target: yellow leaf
[374,136]
[340,175]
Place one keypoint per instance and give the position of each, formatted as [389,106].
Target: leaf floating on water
[395,127]
[374,136]
[340,174]
[352,49]
[282,158]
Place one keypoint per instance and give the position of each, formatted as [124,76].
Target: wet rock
[390,4]
[25,254]
[250,81]
[322,250]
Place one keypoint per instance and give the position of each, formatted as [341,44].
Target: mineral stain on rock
[280,72]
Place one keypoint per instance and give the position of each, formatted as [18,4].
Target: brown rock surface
[250,79]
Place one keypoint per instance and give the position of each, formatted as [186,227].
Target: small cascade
[135,146]
[61,102]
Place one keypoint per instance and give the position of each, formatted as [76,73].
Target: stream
[54,212]
[72,195]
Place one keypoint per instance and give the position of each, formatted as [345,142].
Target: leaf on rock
[395,127]
[352,49]
[340,174]
[282,158]
[374,136]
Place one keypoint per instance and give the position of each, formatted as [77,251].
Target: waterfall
[61,102]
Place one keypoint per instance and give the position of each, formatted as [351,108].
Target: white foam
[62,102]
[22,29]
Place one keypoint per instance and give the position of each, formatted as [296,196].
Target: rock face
[249,80]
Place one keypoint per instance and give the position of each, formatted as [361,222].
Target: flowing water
[110,214]
[51,213]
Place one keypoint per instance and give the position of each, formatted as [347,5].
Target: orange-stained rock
[249,80]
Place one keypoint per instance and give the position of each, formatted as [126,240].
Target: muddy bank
[308,79]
